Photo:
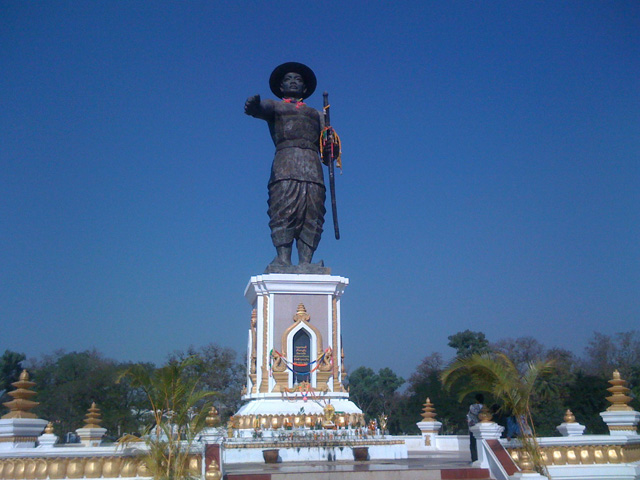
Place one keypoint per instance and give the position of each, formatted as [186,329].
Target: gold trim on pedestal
[334,340]
[254,351]
[264,381]
[301,317]
[274,422]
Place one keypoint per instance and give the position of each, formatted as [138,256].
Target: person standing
[472,419]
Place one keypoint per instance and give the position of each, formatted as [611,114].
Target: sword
[329,162]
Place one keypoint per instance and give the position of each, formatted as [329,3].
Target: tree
[216,370]
[606,353]
[497,375]
[468,343]
[67,384]
[521,351]
[588,398]
[10,368]
[425,382]
[374,393]
[172,394]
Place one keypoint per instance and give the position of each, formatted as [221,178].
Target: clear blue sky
[491,171]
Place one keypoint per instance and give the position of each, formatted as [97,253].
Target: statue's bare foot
[280,262]
[283,258]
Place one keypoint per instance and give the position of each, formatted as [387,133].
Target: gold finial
[619,399]
[49,428]
[525,463]
[301,314]
[485,415]
[569,417]
[20,406]
[213,419]
[428,412]
[213,471]
[93,420]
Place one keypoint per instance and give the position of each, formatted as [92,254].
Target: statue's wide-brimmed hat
[305,72]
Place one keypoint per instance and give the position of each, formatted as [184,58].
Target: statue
[296,186]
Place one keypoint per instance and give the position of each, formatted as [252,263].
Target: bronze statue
[296,186]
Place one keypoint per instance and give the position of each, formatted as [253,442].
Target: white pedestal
[623,423]
[485,431]
[570,429]
[47,440]
[212,435]
[91,437]
[429,431]
[272,386]
[20,432]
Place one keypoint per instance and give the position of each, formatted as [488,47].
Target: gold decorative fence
[40,468]
[584,454]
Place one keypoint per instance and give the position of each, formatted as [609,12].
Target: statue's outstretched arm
[259,109]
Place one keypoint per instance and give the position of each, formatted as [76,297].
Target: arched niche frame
[302,321]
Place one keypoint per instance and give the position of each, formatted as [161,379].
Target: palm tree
[495,374]
[173,397]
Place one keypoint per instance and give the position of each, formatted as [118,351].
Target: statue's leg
[311,232]
[284,255]
[305,252]
[283,220]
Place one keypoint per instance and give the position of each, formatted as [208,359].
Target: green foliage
[425,382]
[173,395]
[217,370]
[606,353]
[10,368]
[375,393]
[67,383]
[468,343]
[497,375]
[588,398]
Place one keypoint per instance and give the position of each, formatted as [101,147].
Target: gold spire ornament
[213,471]
[213,419]
[21,405]
[301,314]
[619,399]
[93,420]
[569,417]
[49,428]
[485,415]
[428,412]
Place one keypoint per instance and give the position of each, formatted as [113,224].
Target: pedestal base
[270,414]
[570,429]
[624,422]
[20,432]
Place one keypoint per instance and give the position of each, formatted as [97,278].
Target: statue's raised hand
[252,105]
